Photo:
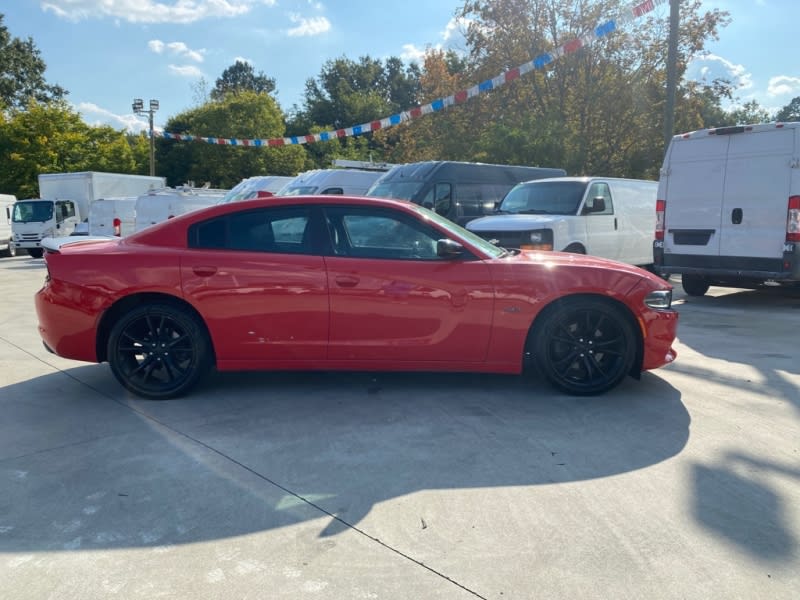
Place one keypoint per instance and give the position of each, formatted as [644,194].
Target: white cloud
[412,53]
[185,70]
[176,49]
[783,85]
[711,66]
[151,11]
[95,115]
[308,26]
[455,27]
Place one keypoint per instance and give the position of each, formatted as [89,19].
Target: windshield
[401,190]
[458,231]
[32,212]
[544,198]
[302,190]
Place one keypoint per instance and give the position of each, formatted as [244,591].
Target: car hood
[513,222]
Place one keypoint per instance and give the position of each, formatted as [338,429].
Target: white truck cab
[34,219]
[729,207]
[601,216]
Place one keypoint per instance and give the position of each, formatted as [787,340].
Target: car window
[280,230]
[601,190]
[366,233]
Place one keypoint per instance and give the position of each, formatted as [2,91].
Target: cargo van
[260,186]
[459,191]
[728,208]
[160,205]
[112,216]
[348,182]
[7,247]
[602,216]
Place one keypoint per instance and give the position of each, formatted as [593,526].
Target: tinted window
[281,230]
[366,233]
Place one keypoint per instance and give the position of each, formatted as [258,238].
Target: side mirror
[594,205]
[447,248]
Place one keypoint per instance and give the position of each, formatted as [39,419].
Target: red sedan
[333,282]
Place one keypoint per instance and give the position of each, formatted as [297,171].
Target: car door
[260,283]
[393,299]
[602,224]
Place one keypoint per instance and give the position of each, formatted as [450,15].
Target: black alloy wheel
[584,346]
[158,351]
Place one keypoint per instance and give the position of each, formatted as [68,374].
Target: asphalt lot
[685,484]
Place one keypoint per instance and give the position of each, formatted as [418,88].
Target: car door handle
[347,281]
[204,271]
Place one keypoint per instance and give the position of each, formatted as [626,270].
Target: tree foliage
[22,73]
[52,138]
[790,112]
[241,77]
[246,114]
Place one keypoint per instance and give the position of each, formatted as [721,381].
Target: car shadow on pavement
[86,466]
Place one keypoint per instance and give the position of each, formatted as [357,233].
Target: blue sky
[107,52]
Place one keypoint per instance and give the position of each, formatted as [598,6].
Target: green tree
[247,115]
[749,113]
[241,77]
[22,73]
[52,138]
[790,112]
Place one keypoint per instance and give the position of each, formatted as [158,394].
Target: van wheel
[575,249]
[584,346]
[694,285]
[36,252]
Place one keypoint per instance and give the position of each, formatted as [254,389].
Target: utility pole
[672,60]
[138,108]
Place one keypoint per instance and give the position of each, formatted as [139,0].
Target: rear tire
[159,351]
[584,346]
[575,249]
[36,252]
[694,285]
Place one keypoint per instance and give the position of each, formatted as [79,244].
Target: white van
[260,186]
[159,205]
[7,247]
[729,207]
[347,182]
[112,216]
[602,216]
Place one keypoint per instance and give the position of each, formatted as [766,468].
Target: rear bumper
[730,268]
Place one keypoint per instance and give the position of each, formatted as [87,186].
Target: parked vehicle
[261,186]
[602,216]
[163,204]
[64,203]
[344,283]
[112,216]
[729,207]
[350,182]
[459,191]
[7,247]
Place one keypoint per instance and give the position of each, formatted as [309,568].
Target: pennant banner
[540,62]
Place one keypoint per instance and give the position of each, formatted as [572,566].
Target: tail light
[793,220]
[661,206]
[117,227]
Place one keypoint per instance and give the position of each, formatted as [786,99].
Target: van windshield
[400,190]
[302,190]
[544,198]
[32,212]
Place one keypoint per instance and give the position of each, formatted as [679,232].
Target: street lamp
[138,108]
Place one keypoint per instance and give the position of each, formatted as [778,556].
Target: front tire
[11,250]
[36,252]
[159,351]
[584,346]
[694,285]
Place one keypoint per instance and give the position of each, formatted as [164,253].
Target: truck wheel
[11,250]
[158,351]
[36,252]
[694,285]
[583,346]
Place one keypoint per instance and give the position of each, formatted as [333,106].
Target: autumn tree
[22,73]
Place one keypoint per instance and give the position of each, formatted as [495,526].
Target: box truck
[64,200]
[7,247]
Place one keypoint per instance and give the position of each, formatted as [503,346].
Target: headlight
[660,299]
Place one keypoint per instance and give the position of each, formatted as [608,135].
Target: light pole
[138,108]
